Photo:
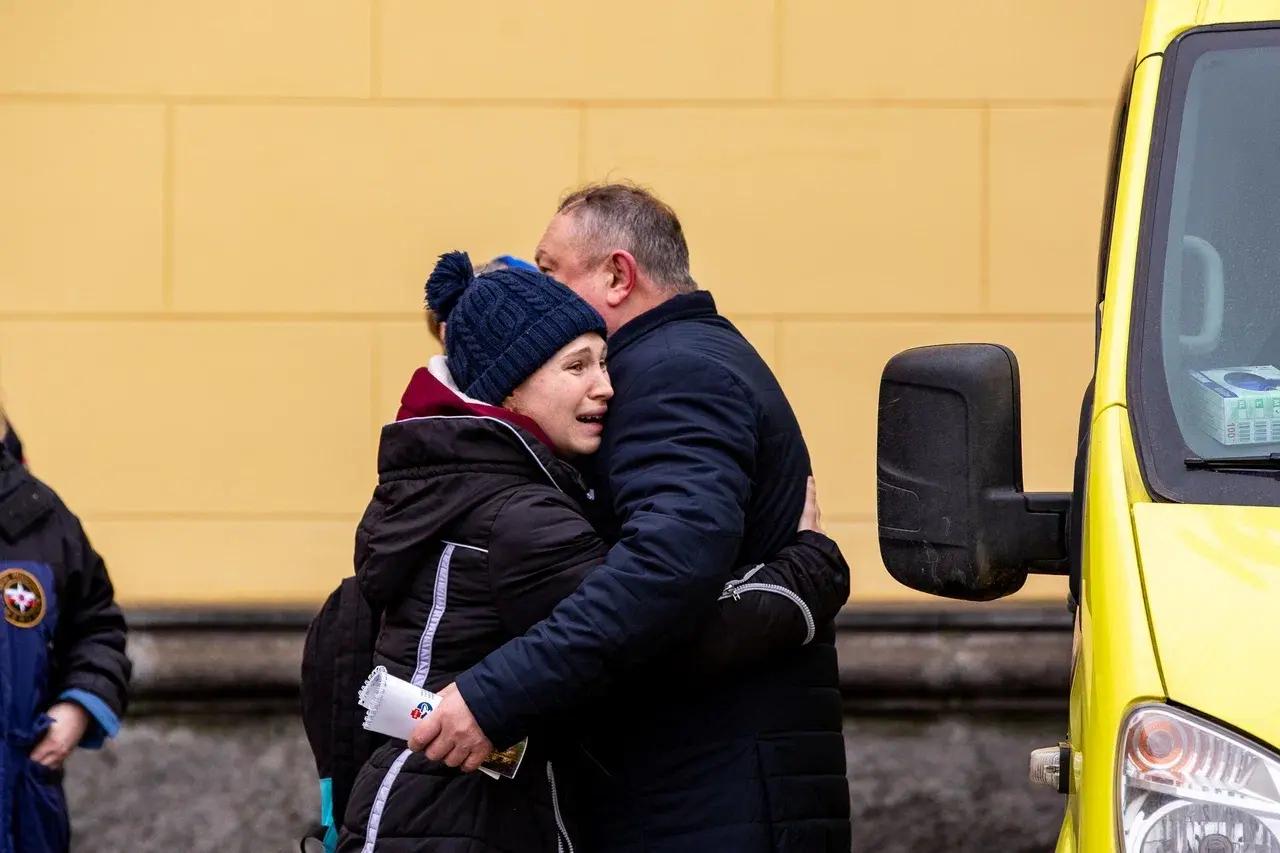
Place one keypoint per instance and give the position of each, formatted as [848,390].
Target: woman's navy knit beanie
[503,325]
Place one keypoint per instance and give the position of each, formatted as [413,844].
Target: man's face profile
[561,256]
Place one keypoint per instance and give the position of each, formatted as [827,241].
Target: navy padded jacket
[704,466]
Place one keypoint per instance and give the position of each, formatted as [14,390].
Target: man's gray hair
[629,217]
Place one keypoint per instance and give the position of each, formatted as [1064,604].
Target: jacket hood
[433,392]
[24,500]
[444,456]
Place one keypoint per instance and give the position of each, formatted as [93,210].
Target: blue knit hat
[503,325]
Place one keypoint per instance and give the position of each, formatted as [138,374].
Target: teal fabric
[326,816]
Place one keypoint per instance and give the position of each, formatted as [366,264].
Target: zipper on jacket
[737,582]
[562,838]
[734,590]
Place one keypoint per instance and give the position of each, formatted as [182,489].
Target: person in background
[63,669]
[501,262]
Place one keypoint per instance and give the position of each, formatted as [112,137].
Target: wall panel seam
[375,48]
[167,208]
[582,145]
[217,516]
[984,209]
[375,374]
[180,99]
[779,14]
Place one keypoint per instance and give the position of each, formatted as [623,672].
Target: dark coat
[62,638]
[705,469]
[476,530]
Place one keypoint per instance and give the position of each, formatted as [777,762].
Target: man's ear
[623,271]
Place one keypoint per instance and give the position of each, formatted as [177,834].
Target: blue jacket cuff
[105,722]
[487,717]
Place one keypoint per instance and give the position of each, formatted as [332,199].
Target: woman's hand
[811,516]
[70,721]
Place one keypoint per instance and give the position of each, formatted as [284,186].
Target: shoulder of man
[696,351]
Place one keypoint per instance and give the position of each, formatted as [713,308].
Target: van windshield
[1206,337]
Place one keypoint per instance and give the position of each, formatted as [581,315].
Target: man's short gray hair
[629,217]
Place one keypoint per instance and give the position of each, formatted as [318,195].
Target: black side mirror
[953,517]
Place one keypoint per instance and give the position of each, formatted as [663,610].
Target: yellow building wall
[216,218]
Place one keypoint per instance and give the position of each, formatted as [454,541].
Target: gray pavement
[244,782]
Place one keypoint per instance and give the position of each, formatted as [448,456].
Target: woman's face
[568,396]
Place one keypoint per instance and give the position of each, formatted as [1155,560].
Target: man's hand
[70,721]
[811,516]
[450,734]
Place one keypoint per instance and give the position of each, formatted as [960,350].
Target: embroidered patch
[23,598]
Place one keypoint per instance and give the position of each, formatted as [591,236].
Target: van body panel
[1177,602]
[1164,20]
[1076,709]
[1067,838]
[1113,347]
[1213,581]
[1167,19]
[1115,665]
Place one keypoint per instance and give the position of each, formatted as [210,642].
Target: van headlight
[1189,786]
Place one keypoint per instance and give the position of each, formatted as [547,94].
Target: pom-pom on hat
[503,325]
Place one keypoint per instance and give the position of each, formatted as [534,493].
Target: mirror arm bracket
[1033,526]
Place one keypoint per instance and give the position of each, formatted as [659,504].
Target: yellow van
[1171,535]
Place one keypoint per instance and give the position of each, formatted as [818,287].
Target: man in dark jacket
[704,466]
[63,671]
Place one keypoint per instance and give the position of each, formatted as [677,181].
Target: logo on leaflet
[23,598]
[421,711]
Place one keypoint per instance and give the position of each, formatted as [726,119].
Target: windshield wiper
[1269,462]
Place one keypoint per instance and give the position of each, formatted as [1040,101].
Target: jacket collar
[432,393]
[683,307]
